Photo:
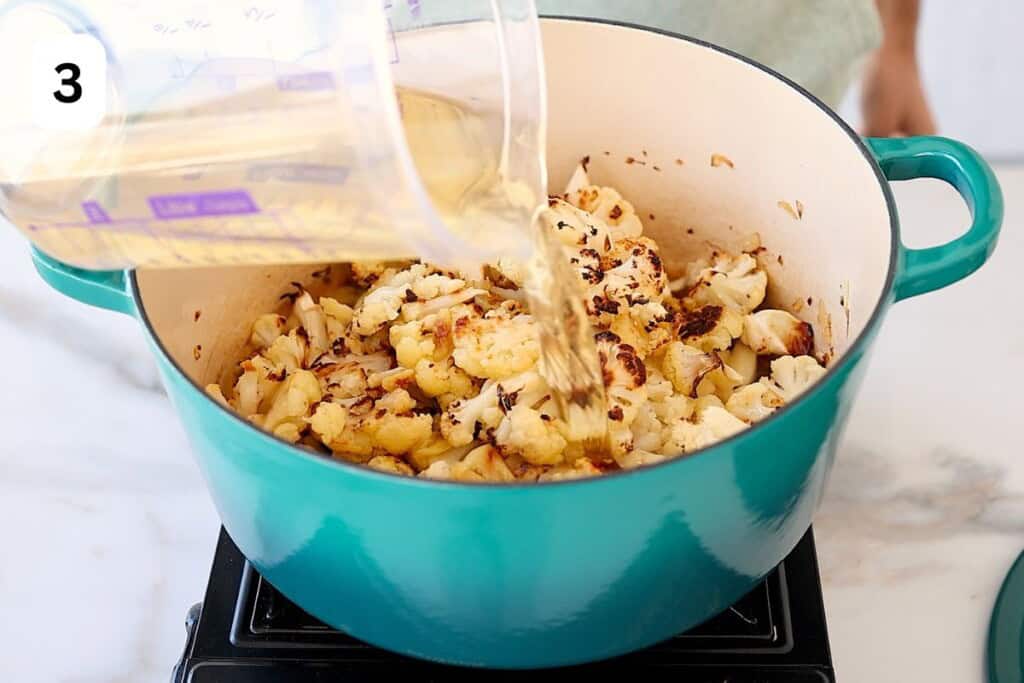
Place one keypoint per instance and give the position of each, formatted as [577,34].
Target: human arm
[893,101]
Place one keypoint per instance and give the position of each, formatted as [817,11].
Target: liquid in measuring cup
[260,176]
[265,176]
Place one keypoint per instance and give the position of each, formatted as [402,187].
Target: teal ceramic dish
[536,575]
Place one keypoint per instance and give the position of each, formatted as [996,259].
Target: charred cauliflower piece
[266,329]
[485,411]
[625,377]
[774,332]
[394,427]
[481,464]
[498,344]
[607,205]
[342,431]
[710,425]
[292,402]
[736,282]
[709,328]
[754,402]
[532,435]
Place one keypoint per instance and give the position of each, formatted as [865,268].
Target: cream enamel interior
[616,94]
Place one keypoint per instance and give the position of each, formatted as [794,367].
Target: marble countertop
[108,533]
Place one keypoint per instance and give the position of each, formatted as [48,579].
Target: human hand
[893,101]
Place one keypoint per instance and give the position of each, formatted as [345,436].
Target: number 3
[72,80]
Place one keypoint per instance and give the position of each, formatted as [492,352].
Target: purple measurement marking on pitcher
[223,203]
[95,213]
[414,8]
[310,81]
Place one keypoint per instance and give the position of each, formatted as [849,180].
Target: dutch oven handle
[924,270]
[101,288]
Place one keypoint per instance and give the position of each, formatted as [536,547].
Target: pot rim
[751,432]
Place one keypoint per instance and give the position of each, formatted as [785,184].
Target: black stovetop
[245,630]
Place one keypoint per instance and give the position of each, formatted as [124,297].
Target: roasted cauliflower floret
[638,458]
[792,375]
[577,229]
[442,378]
[579,469]
[625,376]
[653,425]
[341,431]
[709,328]
[288,351]
[774,332]
[257,385]
[266,329]
[292,404]
[525,432]
[394,427]
[686,367]
[388,463]
[369,273]
[497,345]
[383,303]
[743,361]
[314,322]
[735,282]
[413,341]
[215,392]
[390,380]
[754,402]
[607,205]
[712,424]
[437,449]
[481,464]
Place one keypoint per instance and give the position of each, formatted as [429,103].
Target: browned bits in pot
[799,208]
[630,160]
[721,160]
[679,162]
[779,259]
[657,168]
[788,208]
[810,301]
[585,161]
[689,231]
[651,216]
[196,316]
[607,153]
[644,152]
[197,351]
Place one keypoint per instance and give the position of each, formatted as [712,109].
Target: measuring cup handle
[107,289]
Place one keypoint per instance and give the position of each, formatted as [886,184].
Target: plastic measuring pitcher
[151,133]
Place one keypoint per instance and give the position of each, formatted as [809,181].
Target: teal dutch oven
[709,147]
